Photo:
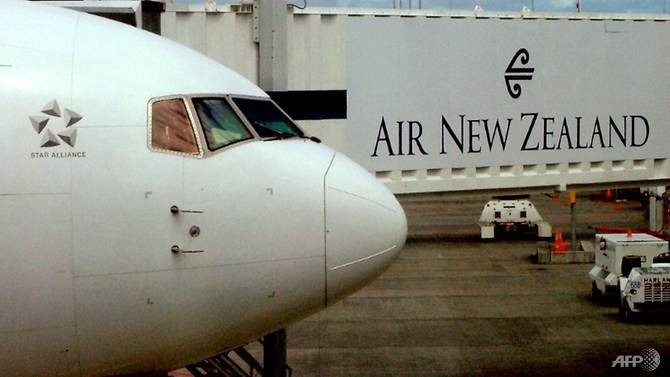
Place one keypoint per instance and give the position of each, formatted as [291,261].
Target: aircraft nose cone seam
[364,258]
[365,228]
[362,197]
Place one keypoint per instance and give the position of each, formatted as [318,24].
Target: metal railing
[591,6]
[632,6]
[235,363]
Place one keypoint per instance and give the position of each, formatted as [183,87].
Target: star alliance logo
[517,73]
[54,136]
[40,124]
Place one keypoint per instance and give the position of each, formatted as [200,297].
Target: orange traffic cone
[559,246]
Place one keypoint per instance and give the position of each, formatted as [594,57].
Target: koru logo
[518,73]
[648,360]
[67,135]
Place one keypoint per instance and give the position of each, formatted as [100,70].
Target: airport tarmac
[452,305]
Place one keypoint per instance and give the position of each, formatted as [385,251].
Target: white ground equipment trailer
[644,289]
[618,253]
[511,213]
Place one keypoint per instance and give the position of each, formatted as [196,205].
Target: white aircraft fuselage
[131,240]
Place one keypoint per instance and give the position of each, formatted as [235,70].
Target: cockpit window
[266,118]
[171,127]
[219,122]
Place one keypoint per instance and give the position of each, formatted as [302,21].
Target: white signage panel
[430,93]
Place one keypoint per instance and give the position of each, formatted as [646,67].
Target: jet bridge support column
[273,45]
[572,196]
[274,354]
[656,208]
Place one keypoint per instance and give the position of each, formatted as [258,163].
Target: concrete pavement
[454,306]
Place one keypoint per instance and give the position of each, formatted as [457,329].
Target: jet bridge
[459,101]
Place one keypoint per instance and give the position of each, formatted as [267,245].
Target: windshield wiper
[280,134]
[285,135]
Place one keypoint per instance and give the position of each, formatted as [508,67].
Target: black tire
[628,315]
[595,291]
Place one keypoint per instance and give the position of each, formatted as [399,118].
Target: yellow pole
[572,198]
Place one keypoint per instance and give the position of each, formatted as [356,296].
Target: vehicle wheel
[628,315]
[595,291]
[622,312]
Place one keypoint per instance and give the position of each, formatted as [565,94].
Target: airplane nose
[365,228]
